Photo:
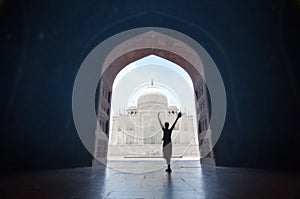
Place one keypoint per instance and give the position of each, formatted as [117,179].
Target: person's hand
[179,115]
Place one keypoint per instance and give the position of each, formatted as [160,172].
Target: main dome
[152,96]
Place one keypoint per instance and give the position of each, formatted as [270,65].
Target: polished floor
[137,179]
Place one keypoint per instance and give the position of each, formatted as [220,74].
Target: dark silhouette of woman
[167,142]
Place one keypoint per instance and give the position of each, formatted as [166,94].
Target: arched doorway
[142,90]
[165,46]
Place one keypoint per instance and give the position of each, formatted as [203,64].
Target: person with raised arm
[167,141]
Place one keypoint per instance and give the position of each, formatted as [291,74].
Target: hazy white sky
[169,77]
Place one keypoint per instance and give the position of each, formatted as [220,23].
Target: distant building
[137,132]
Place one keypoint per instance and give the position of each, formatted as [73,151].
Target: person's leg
[167,155]
[169,168]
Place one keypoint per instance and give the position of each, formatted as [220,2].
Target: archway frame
[152,42]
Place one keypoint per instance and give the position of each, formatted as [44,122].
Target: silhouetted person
[167,142]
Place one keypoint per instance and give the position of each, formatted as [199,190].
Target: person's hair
[167,124]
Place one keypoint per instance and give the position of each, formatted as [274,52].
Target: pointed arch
[153,42]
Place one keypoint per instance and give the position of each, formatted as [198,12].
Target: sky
[168,76]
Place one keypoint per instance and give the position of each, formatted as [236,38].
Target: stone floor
[138,179]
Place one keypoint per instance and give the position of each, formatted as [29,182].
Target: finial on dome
[151,82]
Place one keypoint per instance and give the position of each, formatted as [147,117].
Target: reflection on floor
[188,180]
[146,165]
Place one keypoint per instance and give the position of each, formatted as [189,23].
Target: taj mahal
[137,133]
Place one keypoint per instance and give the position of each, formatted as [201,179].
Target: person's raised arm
[178,116]
[160,121]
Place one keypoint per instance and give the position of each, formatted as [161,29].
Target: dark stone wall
[254,44]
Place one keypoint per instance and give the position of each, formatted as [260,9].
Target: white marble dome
[152,96]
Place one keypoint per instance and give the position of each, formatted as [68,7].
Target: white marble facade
[137,132]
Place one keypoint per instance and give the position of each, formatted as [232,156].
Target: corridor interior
[137,179]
